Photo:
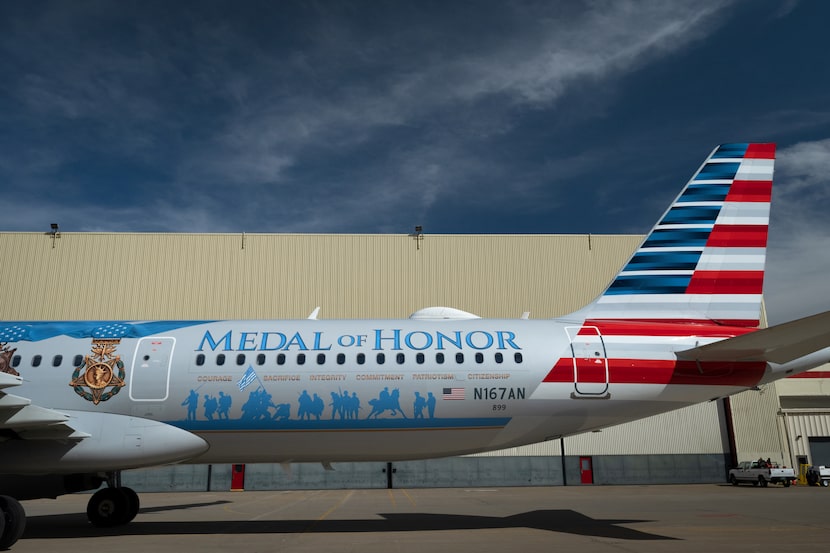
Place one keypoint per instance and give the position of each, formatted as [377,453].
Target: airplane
[82,401]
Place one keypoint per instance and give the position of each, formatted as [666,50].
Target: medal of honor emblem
[101,375]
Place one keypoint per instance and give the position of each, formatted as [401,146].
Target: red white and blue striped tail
[704,260]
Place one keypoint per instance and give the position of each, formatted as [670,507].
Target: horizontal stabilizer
[777,344]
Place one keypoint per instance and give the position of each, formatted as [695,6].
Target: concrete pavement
[588,519]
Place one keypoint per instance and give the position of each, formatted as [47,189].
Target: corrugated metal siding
[757,433]
[809,425]
[800,427]
[805,386]
[213,276]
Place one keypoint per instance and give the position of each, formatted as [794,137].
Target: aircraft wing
[777,344]
[29,421]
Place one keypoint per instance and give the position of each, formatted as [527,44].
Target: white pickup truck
[818,475]
[761,473]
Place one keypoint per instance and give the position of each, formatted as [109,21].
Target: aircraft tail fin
[704,259]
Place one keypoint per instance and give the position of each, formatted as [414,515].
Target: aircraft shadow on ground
[165,508]
[562,520]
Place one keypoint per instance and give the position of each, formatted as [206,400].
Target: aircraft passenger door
[150,375]
[590,363]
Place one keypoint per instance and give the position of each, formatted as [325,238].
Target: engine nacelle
[115,442]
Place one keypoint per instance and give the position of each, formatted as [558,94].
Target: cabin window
[220,359]
[479,357]
[361,358]
[517,357]
[499,357]
[439,358]
[240,359]
[381,358]
[260,359]
[341,358]
[200,359]
[321,358]
[16,361]
[280,359]
[459,357]
[400,358]
[36,360]
[57,360]
[419,358]
[301,358]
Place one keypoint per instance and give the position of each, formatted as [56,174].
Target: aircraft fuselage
[306,390]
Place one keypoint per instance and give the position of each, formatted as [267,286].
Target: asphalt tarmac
[587,519]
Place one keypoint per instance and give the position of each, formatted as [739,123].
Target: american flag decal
[249,376]
[453,393]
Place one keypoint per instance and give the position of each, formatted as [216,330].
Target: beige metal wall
[799,426]
[216,276]
[757,432]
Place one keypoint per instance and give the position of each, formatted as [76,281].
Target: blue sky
[376,116]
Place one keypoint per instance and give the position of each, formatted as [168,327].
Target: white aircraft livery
[81,401]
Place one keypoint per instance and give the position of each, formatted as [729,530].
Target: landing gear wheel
[133,503]
[108,507]
[13,521]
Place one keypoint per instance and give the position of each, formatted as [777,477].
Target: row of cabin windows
[360,358]
[380,359]
[57,360]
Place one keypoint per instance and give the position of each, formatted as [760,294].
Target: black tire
[133,503]
[825,483]
[733,480]
[14,521]
[107,508]
[763,482]
[786,483]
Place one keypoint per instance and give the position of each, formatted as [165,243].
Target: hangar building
[151,276]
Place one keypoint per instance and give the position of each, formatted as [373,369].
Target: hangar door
[820,451]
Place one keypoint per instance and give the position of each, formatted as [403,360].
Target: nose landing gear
[114,505]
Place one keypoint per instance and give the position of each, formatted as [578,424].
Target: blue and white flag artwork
[247,378]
